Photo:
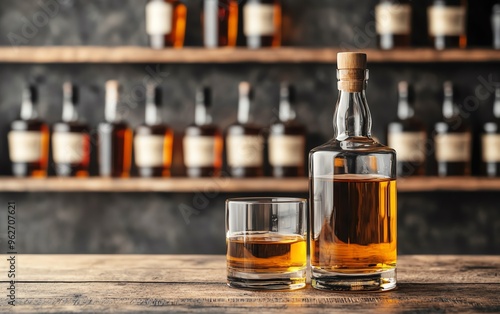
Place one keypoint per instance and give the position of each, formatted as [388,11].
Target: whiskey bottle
[153,141]
[70,138]
[447,23]
[115,138]
[262,23]
[244,142]
[453,139]
[353,195]
[29,139]
[166,23]
[407,135]
[393,19]
[491,141]
[287,139]
[203,141]
[220,23]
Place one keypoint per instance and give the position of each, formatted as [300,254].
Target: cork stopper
[351,61]
[351,71]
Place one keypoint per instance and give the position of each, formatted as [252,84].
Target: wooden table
[189,283]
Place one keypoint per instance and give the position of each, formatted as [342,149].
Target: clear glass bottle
[244,140]
[453,139]
[491,141]
[166,23]
[448,23]
[29,139]
[287,139]
[115,138]
[70,138]
[203,141]
[153,140]
[262,23]
[353,195]
[393,19]
[408,136]
[220,23]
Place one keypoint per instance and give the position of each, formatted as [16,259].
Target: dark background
[429,223]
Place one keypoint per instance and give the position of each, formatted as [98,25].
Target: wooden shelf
[228,185]
[131,54]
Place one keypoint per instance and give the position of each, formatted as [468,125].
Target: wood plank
[132,54]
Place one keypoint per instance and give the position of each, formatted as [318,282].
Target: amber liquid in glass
[227,24]
[176,37]
[168,139]
[78,169]
[115,149]
[211,131]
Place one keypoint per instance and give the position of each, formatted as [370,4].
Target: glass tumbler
[266,241]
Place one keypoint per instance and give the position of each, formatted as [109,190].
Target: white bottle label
[286,151]
[453,147]
[393,19]
[68,148]
[159,17]
[409,146]
[491,148]
[245,150]
[259,19]
[446,21]
[149,150]
[199,151]
[25,146]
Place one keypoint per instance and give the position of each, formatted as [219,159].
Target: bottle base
[267,281]
[377,282]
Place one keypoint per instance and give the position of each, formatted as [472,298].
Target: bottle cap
[245,89]
[351,71]
[70,92]
[204,96]
[351,61]
[154,94]
[287,92]
[31,93]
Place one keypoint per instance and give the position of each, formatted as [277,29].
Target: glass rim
[269,200]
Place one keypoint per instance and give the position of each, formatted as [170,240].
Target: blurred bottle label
[159,18]
[286,151]
[149,150]
[259,19]
[68,148]
[199,151]
[453,147]
[25,146]
[409,146]
[446,21]
[491,148]
[393,19]
[245,150]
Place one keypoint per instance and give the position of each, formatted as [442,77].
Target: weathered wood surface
[141,283]
[131,54]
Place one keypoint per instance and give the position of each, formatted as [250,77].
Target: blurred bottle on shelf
[447,23]
[262,23]
[393,23]
[244,141]
[203,141]
[491,141]
[70,138]
[115,138]
[287,139]
[29,139]
[407,135]
[453,139]
[166,23]
[153,140]
[220,23]
[495,22]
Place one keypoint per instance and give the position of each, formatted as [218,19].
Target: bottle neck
[405,108]
[28,107]
[286,113]
[496,105]
[449,108]
[244,108]
[111,102]
[152,114]
[201,115]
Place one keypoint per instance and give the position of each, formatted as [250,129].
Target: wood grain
[131,54]
[178,284]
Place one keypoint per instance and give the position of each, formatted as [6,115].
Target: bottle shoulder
[243,129]
[202,130]
[407,125]
[287,128]
[28,125]
[362,146]
[73,126]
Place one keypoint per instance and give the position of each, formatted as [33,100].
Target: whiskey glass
[266,240]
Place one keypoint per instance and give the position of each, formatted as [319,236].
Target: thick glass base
[267,281]
[383,281]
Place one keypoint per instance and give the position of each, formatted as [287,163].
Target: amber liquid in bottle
[491,141]
[407,135]
[70,139]
[115,138]
[452,140]
[287,139]
[166,23]
[393,20]
[220,23]
[447,23]
[153,141]
[244,141]
[29,139]
[262,23]
[203,141]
